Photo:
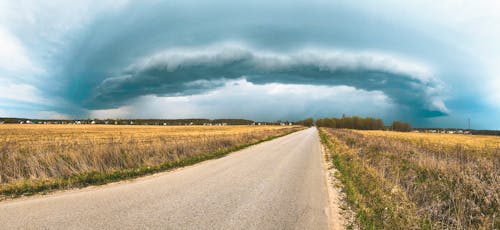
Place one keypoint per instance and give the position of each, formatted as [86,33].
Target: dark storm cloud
[104,66]
[186,72]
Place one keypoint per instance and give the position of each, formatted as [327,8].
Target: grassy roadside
[417,181]
[377,204]
[31,187]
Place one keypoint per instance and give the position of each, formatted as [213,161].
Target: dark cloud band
[194,71]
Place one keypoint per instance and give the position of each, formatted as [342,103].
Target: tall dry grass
[33,153]
[449,181]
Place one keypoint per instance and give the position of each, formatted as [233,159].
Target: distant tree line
[486,132]
[306,122]
[356,122]
[401,126]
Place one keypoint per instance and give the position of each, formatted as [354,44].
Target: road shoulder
[339,214]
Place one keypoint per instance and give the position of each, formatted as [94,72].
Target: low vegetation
[399,180]
[351,123]
[36,158]
[362,123]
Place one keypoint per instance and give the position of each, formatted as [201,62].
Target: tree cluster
[306,122]
[401,126]
[354,122]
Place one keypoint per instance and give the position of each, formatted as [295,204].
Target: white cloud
[34,114]
[328,59]
[21,92]
[14,57]
[242,99]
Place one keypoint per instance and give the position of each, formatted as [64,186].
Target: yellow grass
[445,181]
[33,153]
[450,140]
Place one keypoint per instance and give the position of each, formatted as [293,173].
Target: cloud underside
[280,101]
[179,72]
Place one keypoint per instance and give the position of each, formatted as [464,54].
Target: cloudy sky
[433,63]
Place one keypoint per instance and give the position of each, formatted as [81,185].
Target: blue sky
[430,63]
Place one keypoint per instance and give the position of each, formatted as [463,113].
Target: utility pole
[468,124]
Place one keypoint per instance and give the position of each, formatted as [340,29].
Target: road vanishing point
[278,184]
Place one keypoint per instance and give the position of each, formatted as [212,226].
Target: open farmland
[413,180]
[36,158]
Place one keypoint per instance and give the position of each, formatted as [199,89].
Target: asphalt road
[279,184]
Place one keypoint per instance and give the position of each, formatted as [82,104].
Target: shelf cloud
[434,63]
[190,71]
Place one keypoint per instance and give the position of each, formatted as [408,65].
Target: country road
[279,184]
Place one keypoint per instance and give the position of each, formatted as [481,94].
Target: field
[36,158]
[397,180]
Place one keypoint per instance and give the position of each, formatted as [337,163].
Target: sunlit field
[490,144]
[35,158]
[418,180]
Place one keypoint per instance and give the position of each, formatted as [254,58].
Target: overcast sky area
[432,63]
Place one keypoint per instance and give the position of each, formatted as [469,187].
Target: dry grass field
[400,180]
[36,158]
